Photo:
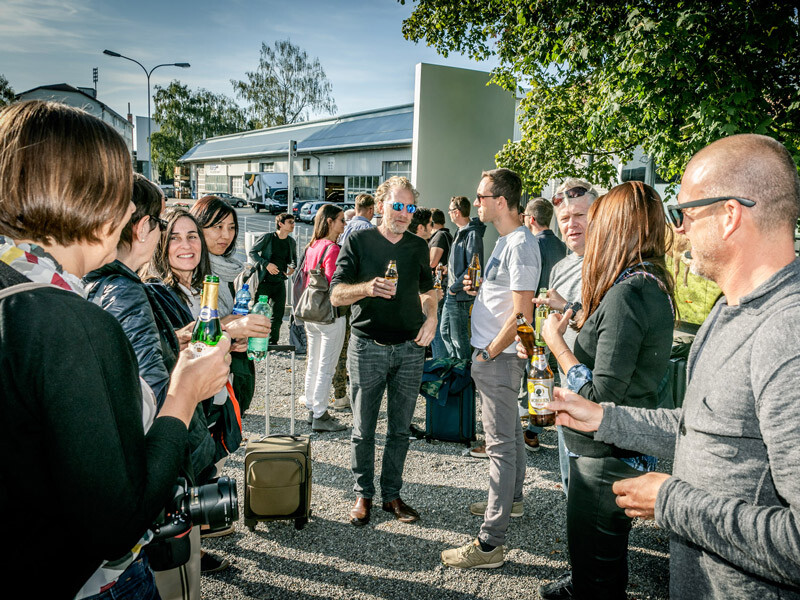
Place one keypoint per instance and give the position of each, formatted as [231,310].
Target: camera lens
[215,504]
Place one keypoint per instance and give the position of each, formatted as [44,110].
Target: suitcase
[450,414]
[278,469]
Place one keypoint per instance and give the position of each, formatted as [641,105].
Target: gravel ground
[387,559]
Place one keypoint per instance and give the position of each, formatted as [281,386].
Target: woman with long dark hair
[70,394]
[324,339]
[621,355]
[220,227]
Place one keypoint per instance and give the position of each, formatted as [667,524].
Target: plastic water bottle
[256,346]
[242,304]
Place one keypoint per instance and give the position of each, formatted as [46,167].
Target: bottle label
[540,393]
[198,348]
[206,314]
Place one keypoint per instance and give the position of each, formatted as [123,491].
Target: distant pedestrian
[364,211]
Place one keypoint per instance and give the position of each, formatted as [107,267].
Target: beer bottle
[437,278]
[207,329]
[542,312]
[257,346]
[474,271]
[526,335]
[540,390]
[391,274]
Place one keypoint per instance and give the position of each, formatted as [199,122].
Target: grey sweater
[733,503]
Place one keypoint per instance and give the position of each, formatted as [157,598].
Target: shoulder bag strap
[24,287]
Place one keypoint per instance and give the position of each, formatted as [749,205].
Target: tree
[601,78]
[285,86]
[186,117]
[7,95]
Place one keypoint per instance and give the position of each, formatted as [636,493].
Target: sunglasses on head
[675,213]
[410,208]
[575,192]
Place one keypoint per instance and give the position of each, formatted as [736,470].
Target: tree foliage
[188,116]
[601,78]
[7,95]
[285,86]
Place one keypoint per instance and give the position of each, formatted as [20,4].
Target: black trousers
[276,290]
[597,529]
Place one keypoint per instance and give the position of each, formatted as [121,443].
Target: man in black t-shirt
[391,325]
[275,254]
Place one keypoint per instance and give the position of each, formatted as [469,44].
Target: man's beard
[395,227]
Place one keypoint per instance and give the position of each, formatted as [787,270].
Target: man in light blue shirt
[365,210]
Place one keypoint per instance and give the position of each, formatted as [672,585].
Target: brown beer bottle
[540,390]
[437,277]
[474,271]
[542,312]
[391,275]
[526,334]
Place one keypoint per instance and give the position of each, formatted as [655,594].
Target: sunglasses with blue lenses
[410,208]
[675,213]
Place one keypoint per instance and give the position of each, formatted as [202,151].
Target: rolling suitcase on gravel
[278,469]
[450,394]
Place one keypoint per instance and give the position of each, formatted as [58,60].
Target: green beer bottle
[207,328]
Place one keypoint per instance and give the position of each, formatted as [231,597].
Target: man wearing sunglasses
[391,324]
[509,283]
[732,502]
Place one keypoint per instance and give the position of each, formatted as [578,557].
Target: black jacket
[119,291]
[80,481]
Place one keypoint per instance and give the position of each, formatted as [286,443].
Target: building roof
[65,87]
[379,128]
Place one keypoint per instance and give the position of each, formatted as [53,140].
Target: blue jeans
[438,347]
[137,582]
[455,327]
[373,369]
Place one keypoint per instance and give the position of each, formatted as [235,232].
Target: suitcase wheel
[251,525]
[300,523]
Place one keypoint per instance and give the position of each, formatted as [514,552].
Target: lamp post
[182,65]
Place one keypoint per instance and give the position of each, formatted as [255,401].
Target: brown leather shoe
[402,511]
[359,514]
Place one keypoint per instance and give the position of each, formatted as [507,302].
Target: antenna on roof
[94,80]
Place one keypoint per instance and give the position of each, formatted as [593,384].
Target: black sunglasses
[162,224]
[575,192]
[675,213]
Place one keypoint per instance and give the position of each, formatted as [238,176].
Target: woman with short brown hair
[70,395]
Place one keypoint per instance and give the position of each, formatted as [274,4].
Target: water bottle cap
[245,286]
[264,299]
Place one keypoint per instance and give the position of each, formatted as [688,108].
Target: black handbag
[314,304]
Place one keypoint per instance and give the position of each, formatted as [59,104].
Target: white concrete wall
[460,123]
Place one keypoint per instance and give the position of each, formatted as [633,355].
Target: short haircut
[282,218]
[506,183]
[756,167]
[541,210]
[385,189]
[66,175]
[437,216]
[210,210]
[364,202]
[462,203]
[147,198]
[422,216]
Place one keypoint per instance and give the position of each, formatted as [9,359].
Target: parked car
[309,211]
[168,189]
[297,206]
[335,197]
[273,204]
[230,199]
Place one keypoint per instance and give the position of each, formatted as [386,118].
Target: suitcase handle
[296,438]
[281,348]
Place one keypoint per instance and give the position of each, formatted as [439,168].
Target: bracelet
[562,352]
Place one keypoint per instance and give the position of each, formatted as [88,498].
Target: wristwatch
[575,306]
[485,354]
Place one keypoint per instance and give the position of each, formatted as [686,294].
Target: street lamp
[182,65]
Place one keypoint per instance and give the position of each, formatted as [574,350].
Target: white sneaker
[341,403]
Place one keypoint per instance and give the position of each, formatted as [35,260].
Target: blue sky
[359,43]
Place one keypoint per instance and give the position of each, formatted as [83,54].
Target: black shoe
[213,564]
[560,589]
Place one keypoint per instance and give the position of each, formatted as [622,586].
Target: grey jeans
[373,369]
[498,384]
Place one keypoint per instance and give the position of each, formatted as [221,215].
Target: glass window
[267,167]
[360,184]
[400,168]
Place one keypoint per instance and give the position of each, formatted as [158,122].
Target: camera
[215,504]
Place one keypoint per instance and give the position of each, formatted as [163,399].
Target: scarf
[227,268]
[36,264]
